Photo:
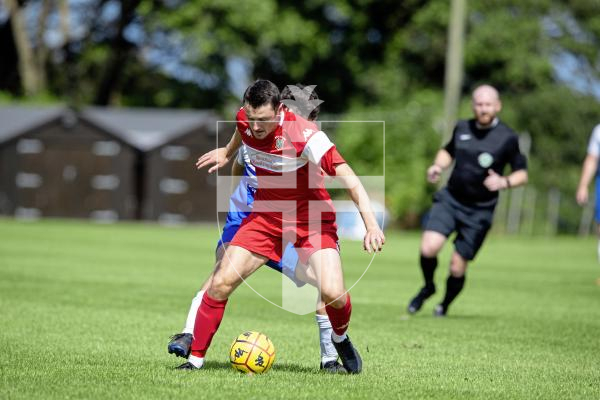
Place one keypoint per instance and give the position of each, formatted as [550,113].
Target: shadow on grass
[291,367]
[284,367]
[449,317]
[471,317]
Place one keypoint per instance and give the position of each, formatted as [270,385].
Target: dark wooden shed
[55,164]
[169,142]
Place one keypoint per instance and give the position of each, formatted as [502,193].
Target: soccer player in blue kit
[240,207]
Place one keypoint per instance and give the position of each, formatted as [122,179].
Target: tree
[31,65]
[380,59]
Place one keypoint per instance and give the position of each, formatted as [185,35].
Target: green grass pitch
[87,311]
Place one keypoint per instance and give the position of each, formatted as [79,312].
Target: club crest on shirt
[485,160]
[279,142]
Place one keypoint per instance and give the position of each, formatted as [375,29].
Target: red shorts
[267,236]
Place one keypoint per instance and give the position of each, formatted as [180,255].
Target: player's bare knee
[339,303]
[335,298]
[220,288]
[457,272]
[429,250]
[458,266]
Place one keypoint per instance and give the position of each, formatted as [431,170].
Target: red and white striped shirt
[289,165]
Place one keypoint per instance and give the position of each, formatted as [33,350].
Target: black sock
[453,287]
[428,266]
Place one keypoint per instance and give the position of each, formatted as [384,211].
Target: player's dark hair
[262,92]
[286,94]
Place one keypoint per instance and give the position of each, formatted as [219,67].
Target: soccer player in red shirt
[290,155]
[303,101]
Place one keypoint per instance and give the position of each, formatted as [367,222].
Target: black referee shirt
[475,151]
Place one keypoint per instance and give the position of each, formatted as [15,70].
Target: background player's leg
[236,265]
[431,244]
[454,283]
[472,228]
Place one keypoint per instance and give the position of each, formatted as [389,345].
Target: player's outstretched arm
[221,156]
[374,238]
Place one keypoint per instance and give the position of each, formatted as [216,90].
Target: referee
[481,148]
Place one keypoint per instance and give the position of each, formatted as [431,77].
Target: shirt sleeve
[241,121]
[449,147]
[337,157]
[317,145]
[594,144]
[330,159]
[516,159]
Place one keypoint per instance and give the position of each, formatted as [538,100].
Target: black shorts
[470,223]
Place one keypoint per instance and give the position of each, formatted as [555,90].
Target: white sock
[328,352]
[338,339]
[191,318]
[598,250]
[197,362]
